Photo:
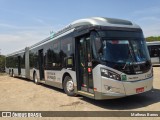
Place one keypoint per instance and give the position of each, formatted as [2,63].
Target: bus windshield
[123,50]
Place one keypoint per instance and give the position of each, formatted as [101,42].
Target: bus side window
[154,51]
[53,57]
[66,52]
[97,45]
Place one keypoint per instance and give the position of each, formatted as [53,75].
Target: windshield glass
[122,51]
[125,51]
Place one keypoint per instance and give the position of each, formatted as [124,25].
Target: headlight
[110,74]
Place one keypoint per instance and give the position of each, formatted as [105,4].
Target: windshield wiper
[130,55]
[124,66]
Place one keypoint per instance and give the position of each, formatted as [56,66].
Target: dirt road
[23,95]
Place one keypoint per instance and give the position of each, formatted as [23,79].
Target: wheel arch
[64,75]
[34,71]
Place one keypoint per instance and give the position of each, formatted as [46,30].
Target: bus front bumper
[137,87]
[112,89]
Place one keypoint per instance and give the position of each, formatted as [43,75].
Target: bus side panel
[55,77]
[31,74]
[23,73]
[15,70]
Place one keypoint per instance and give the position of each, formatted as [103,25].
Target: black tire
[12,74]
[35,78]
[70,89]
[9,72]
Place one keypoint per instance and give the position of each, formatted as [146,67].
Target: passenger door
[19,65]
[41,64]
[85,79]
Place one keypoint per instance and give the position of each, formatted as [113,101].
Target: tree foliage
[2,63]
[152,38]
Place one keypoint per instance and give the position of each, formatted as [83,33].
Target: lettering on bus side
[51,76]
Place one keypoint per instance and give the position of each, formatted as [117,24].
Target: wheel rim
[70,86]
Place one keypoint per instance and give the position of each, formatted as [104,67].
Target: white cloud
[18,37]
[8,26]
[9,38]
[16,41]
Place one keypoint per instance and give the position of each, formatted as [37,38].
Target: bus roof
[93,21]
[153,43]
[102,21]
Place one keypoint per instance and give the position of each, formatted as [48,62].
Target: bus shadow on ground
[43,85]
[126,103]
[158,65]
[130,102]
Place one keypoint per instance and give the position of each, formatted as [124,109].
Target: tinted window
[33,58]
[66,50]
[53,55]
[122,34]
[154,50]
[66,46]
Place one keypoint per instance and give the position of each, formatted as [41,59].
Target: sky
[26,22]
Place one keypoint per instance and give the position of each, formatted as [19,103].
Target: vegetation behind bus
[153,38]
[2,63]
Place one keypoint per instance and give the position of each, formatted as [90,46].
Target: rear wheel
[13,74]
[9,72]
[68,86]
[35,78]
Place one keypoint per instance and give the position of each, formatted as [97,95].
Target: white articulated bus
[154,50]
[101,58]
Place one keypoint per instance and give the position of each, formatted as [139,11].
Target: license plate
[139,90]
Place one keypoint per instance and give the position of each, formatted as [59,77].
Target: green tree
[2,63]
[152,38]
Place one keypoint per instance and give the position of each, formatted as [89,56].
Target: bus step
[42,81]
[90,95]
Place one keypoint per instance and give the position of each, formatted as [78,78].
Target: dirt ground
[23,95]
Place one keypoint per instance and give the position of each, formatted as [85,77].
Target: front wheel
[68,86]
